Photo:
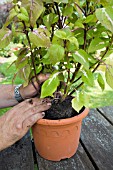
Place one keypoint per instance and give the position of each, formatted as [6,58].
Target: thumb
[43,77]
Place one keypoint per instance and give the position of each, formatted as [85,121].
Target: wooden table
[95,150]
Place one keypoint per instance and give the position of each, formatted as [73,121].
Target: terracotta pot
[58,139]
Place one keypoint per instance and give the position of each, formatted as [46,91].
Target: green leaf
[34,8]
[39,38]
[68,10]
[105,16]
[50,19]
[82,57]
[96,44]
[79,23]
[24,74]
[23,17]
[12,14]
[22,59]
[90,18]
[79,34]
[22,64]
[57,40]
[76,104]
[73,18]
[101,81]
[109,76]
[38,69]
[91,59]
[26,71]
[81,99]
[46,59]
[88,78]
[106,2]
[24,11]
[49,86]
[109,57]
[63,33]
[56,53]
[63,1]
[74,41]
[5,37]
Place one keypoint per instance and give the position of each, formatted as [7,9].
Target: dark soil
[61,110]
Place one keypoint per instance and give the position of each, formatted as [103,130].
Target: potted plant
[70,40]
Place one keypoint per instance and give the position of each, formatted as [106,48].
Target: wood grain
[97,137]
[19,156]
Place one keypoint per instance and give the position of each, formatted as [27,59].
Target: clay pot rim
[64,121]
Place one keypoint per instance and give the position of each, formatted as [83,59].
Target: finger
[33,88]
[26,104]
[24,114]
[38,101]
[33,110]
[31,106]
[43,77]
[31,120]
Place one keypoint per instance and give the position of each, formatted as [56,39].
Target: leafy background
[4,1]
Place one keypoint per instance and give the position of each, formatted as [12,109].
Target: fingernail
[48,75]
[49,104]
[43,114]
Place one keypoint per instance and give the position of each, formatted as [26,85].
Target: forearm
[7,97]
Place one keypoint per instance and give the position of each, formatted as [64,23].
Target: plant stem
[52,33]
[80,8]
[85,36]
[76,71]
[107,48]
[32,57]
[76,88]
[68,70]
[87,7]
[58,12]
[100,60]
[85,26]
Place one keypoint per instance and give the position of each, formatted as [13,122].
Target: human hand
[30,91]
[15,123]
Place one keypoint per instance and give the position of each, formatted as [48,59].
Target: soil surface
[61,110]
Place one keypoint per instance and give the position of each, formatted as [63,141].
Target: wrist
[27,92]
[17,94]
[22,92]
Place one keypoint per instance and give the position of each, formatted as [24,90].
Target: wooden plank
[107,112]
[79,161]
[19,156]
[97,137]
